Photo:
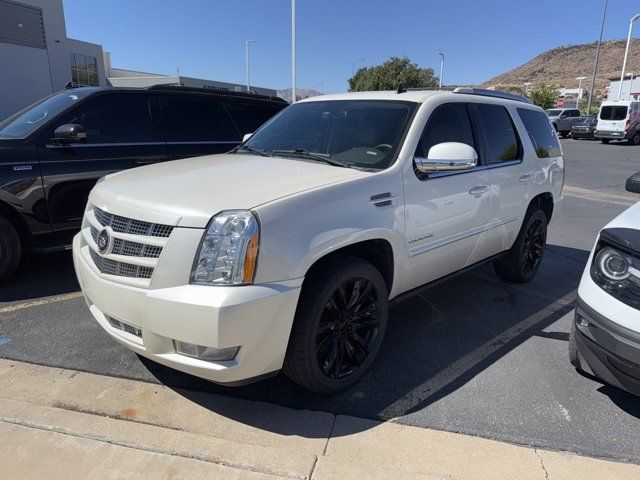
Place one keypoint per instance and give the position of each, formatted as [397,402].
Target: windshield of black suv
[354,133]
[588,121]
[554,112]
[27,121]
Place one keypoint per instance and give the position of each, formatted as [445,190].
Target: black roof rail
[492,93]
[180,88]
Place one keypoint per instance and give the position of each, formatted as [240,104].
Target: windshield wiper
[247,148]
[321,157]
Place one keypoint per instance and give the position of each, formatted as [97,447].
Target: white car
[284,253]
[605,336]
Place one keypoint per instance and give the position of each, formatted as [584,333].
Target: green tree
[544,95]
[391,74]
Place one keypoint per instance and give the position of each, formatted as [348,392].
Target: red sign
[560,103]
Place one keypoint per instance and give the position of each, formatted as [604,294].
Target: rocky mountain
[563,64]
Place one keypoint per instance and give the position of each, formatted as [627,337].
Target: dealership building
[38,58]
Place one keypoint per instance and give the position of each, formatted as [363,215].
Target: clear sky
[205,38]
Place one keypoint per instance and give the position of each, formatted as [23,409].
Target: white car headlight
[228,251]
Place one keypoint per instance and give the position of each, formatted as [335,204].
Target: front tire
[564,134]
[522,261]
[10,249]
[339,326]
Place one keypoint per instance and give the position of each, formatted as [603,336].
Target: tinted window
[448,123]
[502,140]
[613,113]
[196,119]
[248,117]
[541,132]
[113,119]
[554,112]
[31,118]
[360,133]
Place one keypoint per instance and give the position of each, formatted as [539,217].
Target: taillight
[627,125]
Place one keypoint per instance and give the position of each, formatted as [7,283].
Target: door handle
[525,178]
[479,190]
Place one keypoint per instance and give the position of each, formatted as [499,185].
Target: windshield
[27,121]
[588,121]
[613,113]
[554,112]
[355,133]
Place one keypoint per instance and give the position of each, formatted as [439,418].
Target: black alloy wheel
[521,262]
[635,139]
[339,325]
[533,246]
[348,328]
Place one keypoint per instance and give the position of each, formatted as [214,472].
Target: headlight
[618,273]
[228,251]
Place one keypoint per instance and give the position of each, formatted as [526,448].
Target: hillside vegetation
[562,65]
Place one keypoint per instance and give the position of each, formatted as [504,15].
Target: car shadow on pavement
[437,341]
[41,275]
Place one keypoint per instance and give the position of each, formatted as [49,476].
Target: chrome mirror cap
[448,157]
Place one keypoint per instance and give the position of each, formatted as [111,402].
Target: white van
[619,121]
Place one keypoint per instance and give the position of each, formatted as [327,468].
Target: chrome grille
[120,269]
[128,248]
[129,225]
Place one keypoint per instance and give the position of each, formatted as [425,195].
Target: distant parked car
[563,119]
[605,334]
[619,121]
[53,152]
[585,128]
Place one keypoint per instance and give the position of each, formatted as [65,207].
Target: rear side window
[613,113]
[503,144]
[448,123]
[248,117]
[196,119]
[113,119]
[541,132]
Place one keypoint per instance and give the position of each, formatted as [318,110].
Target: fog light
[205,353]
[581,321]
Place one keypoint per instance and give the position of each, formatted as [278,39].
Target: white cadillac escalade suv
[284,253]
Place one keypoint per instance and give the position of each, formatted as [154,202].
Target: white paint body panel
[306,210]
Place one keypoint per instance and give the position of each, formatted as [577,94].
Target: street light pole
[441,68]
[595,67]
[579,92]
[353,65]
[293,51]
[626,53]
[246,51]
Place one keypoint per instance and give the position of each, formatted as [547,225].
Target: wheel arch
[544,201]
[10,213]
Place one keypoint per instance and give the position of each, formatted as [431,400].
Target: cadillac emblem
[104,241]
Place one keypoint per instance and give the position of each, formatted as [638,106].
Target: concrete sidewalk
[57,423]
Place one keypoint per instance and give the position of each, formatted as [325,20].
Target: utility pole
[626,53]
[595,67]
[293,51]
[246,49]
[441,68]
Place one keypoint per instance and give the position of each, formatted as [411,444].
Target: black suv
[53,152]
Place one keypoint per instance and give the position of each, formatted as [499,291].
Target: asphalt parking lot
[472,355]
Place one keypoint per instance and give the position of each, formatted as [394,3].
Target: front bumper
[613,135]
[256,318]
[582,134]
[606,349]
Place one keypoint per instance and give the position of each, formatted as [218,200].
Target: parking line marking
[43,301]
[597,196]
[451,373]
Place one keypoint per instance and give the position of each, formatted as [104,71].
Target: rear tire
[635,139]
[604,140]
[521,262]
[339,326]
[10,249]
[564,134]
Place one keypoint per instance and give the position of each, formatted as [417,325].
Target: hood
[189,192]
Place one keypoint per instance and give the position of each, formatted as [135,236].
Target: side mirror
[246,137]
[633,183]
[69,133]
[448,157]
